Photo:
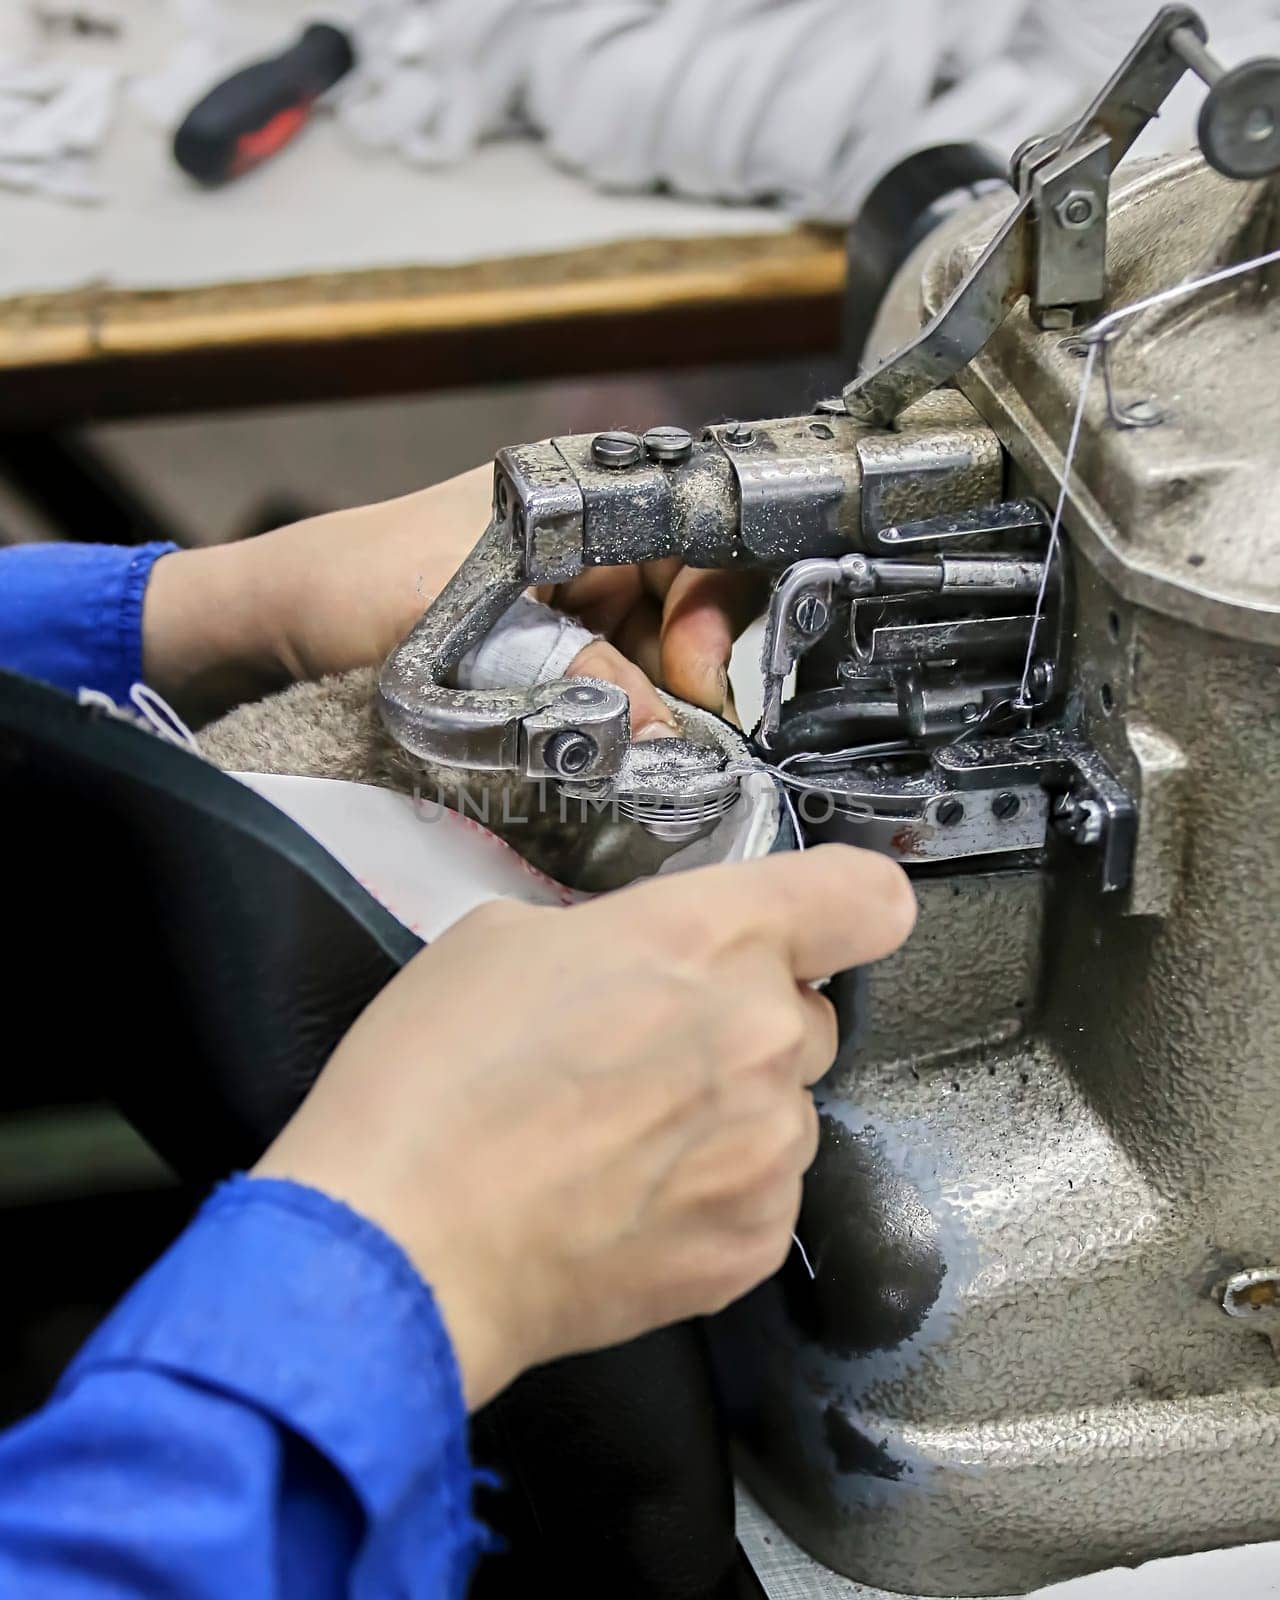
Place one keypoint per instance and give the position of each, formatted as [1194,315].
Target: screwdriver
[257,110]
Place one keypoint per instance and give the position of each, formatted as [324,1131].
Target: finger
[650,715]
[804,1019]
[703,614]
[824,909]
[783,1023]
[659,575]
[639,638]
[748,1169]
[822,1037]
[601,597]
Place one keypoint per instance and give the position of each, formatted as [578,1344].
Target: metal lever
[575,728]
[801,608]
[1051,246]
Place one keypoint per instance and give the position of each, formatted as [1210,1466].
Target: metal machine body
[1042,1331]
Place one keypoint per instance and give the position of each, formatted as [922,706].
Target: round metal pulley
[1240,120]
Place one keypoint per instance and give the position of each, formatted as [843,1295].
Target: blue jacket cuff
[289,1301]
[72,613]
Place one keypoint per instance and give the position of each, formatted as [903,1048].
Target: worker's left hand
[232,622]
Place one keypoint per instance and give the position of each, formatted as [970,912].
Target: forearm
[210,634]
[234,622]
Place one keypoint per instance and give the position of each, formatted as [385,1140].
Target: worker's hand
[233,622]
[583,1124]
[676,623]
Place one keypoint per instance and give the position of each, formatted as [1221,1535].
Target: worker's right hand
[582,1124]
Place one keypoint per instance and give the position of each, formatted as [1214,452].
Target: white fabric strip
[530,644]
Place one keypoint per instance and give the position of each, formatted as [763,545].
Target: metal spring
[675,819]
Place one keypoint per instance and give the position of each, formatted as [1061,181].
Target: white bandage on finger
[530,644]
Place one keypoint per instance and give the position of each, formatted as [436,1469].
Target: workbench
[327,274]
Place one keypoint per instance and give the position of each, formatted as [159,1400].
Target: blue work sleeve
[71,614]
[272,1413]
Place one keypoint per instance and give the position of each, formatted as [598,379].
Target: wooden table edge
[37,331]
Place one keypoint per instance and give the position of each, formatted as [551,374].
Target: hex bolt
[1077,209]
[1005,805]
[811,614]
[569,752]
[949,812]
[617,449]
[671,446]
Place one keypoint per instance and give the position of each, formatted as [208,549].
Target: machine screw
[811,614]
[583,694]
[737,433]
[1142,413]
[616,449]
[569,752]
[1076,209]
[949,811]
[669,445]
[1005,805]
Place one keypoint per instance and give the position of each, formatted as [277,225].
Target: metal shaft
[1188,44]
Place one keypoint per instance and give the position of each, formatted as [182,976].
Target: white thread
[1101,329]
[1095,337]
[96,697]
[1056,526]
[804,1255]
[147,709]
[161,716]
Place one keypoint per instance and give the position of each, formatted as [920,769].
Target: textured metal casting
[1041,1337]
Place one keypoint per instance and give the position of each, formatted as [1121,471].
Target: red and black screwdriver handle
[255,111]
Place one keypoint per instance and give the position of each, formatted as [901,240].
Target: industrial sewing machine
[1027,578]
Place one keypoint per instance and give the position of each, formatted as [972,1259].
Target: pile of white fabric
[55,111]
[802,102]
